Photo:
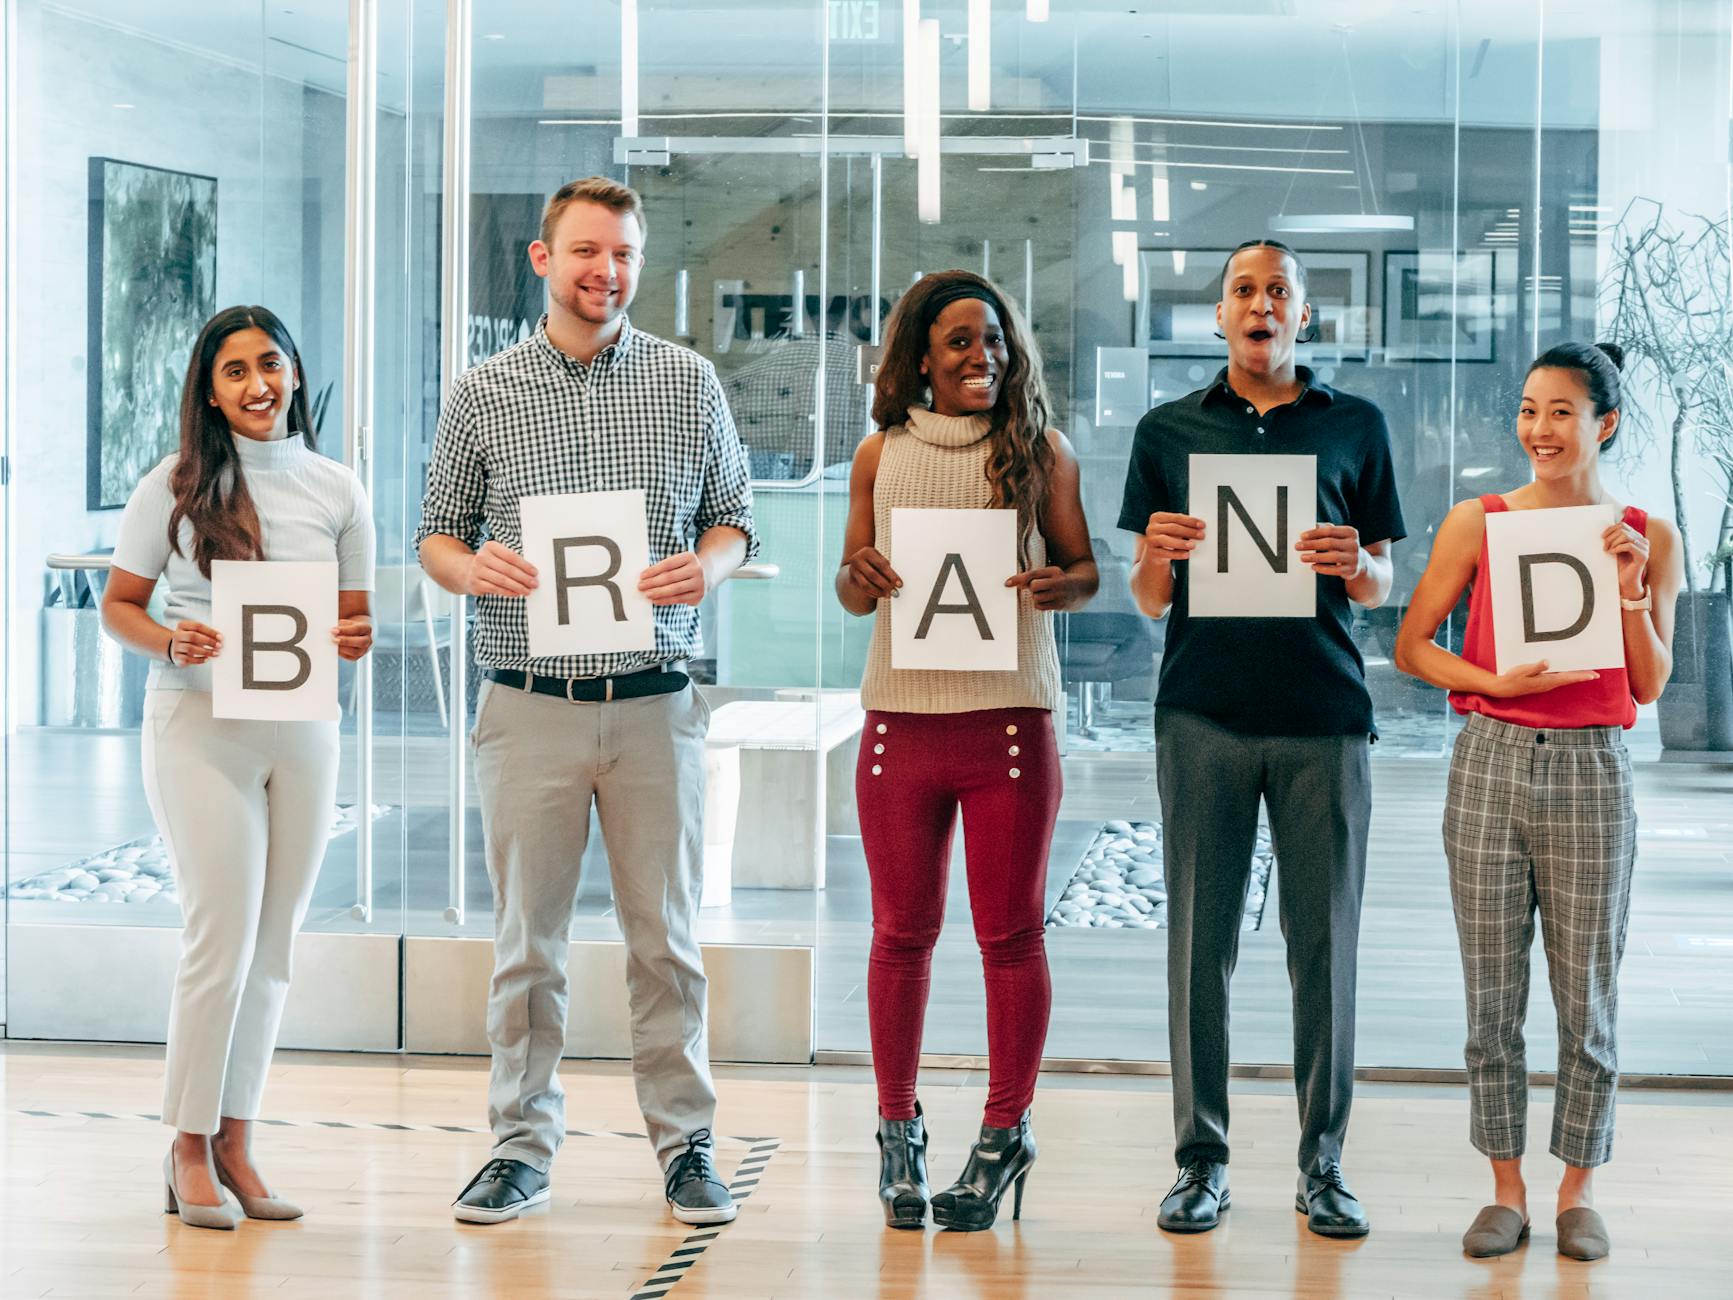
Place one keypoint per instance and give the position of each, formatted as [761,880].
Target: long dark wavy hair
[1020,461]
[210,491]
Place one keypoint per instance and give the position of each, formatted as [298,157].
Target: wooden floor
[80,1195]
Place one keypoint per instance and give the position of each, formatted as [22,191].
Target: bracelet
[1645,601]
[169,651]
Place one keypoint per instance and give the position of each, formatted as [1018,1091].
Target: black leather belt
[594,690]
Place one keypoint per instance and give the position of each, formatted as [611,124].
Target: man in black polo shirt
[1263,708]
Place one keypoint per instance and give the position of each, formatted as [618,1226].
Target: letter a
[970,606]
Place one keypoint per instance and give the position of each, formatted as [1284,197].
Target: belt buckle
[570,698]
[529,681]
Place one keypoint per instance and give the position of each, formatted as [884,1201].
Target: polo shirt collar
[1313,390]
[609,357]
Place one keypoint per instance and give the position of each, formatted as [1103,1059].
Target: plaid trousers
[1541,821]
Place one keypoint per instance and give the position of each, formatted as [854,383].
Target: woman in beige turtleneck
[962,416]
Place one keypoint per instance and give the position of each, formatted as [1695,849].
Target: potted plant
[1665,298]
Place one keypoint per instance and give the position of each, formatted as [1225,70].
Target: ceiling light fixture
[927,154]
[1037,11]
[980,55]
[629,68]
[911,76]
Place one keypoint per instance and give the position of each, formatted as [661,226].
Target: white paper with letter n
[1254,509]
[588,549]
[278,662]
[1555,590]
[955,612]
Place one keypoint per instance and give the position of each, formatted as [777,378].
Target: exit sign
[855,21]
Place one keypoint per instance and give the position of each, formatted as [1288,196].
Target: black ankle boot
[1000,1159]
[903,1170]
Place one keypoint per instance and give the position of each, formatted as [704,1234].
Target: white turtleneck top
[939,462]
[310,508]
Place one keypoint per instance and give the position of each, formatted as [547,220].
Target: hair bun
[1615,354]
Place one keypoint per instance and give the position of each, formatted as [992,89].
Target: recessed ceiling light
[121,106]
[1200,185]
[494,36]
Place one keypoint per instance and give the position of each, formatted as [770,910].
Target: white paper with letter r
[589,549]
[1254,509]
[955,612]
[278,662]
[1555,590]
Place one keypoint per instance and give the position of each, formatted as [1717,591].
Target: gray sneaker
[695,1193]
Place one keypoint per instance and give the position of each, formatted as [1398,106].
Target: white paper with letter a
[1555,590]
[955,612]
[589,549]
[1254,509]
[278,662]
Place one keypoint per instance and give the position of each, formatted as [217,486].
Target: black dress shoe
[502,1190]
[1197,1200]
[1000,1159]
[903,1170]
[1331,1210]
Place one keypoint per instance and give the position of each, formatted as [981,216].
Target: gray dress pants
[539,761]
[1318,790]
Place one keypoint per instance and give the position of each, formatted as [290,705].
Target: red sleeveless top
[1604,702]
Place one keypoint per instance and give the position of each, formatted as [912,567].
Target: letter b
[251,646]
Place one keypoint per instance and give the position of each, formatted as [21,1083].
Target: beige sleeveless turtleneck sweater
[939,462]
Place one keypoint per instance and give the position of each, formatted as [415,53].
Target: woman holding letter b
[1539,813]
[243,806]
[962,418]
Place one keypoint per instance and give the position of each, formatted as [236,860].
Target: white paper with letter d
[588,549]
[1555,590]
[1254,509]
[955,612]
[278,662]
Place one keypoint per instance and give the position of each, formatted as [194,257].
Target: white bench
[787,801]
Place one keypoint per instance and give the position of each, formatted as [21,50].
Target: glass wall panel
[169,163]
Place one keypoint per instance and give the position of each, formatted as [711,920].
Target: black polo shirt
[1268,676]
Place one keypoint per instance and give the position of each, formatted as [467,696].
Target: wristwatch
[1645,601]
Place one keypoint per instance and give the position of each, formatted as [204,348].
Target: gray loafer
[1496,1230]
[1582,1234]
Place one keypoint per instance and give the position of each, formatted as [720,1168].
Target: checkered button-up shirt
[530,421]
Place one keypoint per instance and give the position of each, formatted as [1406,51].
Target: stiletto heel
[1000,1161]
[194,1216]
[903,1170]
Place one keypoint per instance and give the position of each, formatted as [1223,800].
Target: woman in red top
[1539,815]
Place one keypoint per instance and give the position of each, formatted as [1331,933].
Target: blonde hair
[592,189]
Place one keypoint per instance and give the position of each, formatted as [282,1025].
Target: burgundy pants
[1002,767]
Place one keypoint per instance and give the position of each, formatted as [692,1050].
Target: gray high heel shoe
[195,1216]
[256,1207]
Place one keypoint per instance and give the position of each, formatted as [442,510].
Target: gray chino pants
[539,761]
[1318,790]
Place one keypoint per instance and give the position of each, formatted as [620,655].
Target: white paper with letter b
[278,662]
[1254,509]
[588,549]
[955,612]
[1555,590]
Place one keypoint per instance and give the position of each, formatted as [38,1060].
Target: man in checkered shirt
[589,404]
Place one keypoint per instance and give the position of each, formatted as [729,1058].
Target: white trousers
[245,809]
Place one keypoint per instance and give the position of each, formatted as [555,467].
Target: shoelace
[492,1169]
[1332,1176]
[693,1162]
[1196,1174]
